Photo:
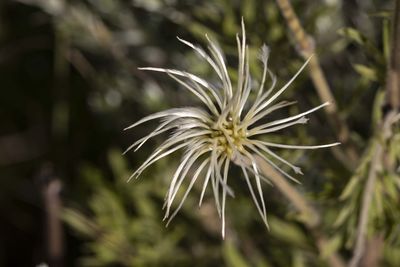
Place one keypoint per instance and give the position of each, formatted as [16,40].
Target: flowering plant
[224,130]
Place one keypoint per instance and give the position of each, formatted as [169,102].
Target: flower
[224,131]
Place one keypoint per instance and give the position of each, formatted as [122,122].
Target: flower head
[224,130]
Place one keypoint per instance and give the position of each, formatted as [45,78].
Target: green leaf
[232,256]
[343,215]
[386,38]
[298,259]
[378,198]
[79,222]
[349,189]
[368,47]
[366,72]
[390,186]
[353,35]
[377,108]
[331,246]
[287,231]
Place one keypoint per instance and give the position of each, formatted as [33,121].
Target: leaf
[377,107]
[232,256]
[79,222]
[369,48]
[366,72]
[287,231]
[352,34]
[331,246]
[378,197]
[390,186]
[386,39]
[343,215]
[349,189]
[298,259]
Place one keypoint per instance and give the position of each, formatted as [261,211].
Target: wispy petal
[219,135]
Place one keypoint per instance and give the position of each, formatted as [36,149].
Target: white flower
[224,131]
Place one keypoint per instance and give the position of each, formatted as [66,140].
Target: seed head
[224,130]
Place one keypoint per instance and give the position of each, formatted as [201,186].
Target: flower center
[229,137]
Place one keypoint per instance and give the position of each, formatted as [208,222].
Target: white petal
[273,164]
[255,200]
[297,147]
[180,175]
[204,55]
[277,94]
[264,130]
[226,169]
[296,116]
[195,176]
[199,92]
[265,149]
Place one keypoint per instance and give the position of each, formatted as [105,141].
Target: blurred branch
[384,133]
[53,206]
[309,215]
[393,74]
[366,204]
[306,48]
[373,251]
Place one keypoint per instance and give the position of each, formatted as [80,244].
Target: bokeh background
[69,84]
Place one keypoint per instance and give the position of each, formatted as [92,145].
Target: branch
[309,215]
[384,133]
[393,74]
[306,47]
[366,205]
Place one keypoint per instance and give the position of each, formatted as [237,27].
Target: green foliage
[116,234]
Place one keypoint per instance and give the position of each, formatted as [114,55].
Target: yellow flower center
[229,137]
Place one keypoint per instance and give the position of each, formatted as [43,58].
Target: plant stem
[306,47]
[309,215]
[393,74]
[366,204]
[384,133]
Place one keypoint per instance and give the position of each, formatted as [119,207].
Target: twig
[366,204]
[393,99]
[309,215]
[51,190]
[54,226]
[306,48]
[393,74]
[373,251]
[384,133]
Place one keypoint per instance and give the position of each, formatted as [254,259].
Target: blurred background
[69,84]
